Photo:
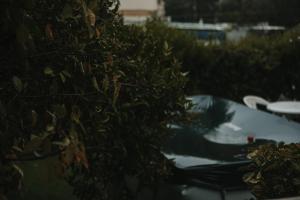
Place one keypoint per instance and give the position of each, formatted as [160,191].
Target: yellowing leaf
[66,142]
[50,128]
[91,17]
[18,169]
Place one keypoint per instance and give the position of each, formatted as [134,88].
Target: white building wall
[150,5]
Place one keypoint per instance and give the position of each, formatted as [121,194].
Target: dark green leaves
[17,83]
[97,90]
[275,172]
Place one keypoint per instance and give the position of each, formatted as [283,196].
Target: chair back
[252,101]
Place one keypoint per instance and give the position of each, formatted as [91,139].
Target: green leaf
[22,34]
[66,73]
[18,169]
[17,83]
[66,142]
[34,116]
[60,111]
[95,83]
[2,110]
[93,4]
[105,84]
[48,71]
[117,89]
[62,77]
[67,11]
[50,128]
[33,144]
[18,149]
[28,4]
[75,115]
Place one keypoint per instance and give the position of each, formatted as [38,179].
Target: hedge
[264,66]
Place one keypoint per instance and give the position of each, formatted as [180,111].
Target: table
[285,107]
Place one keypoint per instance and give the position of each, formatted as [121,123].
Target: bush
[74,80]
[275,171]
[264,66]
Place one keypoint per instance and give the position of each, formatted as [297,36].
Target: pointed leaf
[66,73]
[62,77]
[17,83]
[34,118]
[48,71]
[95,83]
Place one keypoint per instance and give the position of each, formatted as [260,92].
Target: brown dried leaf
[49,32]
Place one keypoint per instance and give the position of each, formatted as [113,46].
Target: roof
[267,27]
[198,26]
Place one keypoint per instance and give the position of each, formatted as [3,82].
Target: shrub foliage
[74,80]
[264,66]
[275,171]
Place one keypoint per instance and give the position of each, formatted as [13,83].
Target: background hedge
[264,66]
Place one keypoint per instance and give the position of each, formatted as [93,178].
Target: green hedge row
[264,66]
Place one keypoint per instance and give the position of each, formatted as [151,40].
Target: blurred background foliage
[77,83]
[276,12]
[267,66]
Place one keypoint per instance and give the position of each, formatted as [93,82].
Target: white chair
[252,101]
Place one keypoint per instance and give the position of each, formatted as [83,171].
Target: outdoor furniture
[285,107]
[253,101]
[209,152]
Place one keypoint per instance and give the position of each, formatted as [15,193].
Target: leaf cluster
[275,171]
[264,66]
[74,80]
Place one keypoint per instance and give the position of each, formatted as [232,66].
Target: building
[138,11]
